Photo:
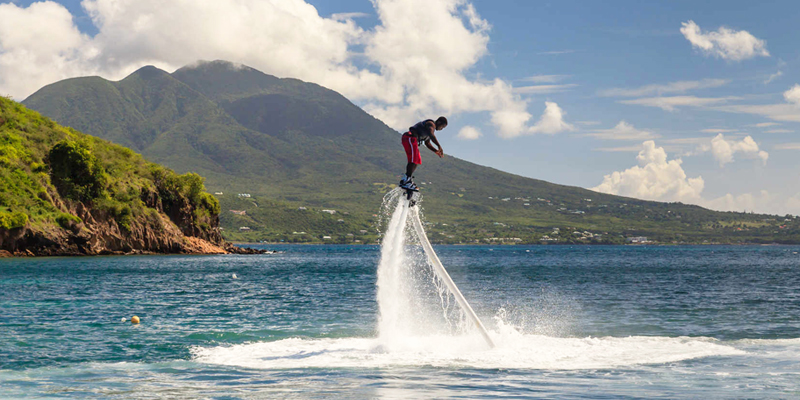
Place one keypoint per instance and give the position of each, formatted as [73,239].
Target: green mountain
[291,144]
[66,193]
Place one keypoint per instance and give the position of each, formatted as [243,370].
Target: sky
[697,102]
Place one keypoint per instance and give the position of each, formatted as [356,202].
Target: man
[421,132]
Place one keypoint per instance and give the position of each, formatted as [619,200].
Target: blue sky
[612,75]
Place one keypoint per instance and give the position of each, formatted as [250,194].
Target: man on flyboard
[421,132]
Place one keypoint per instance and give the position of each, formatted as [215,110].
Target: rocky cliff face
[98,232]
[66,193]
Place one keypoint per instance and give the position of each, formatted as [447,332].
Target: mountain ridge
[295,144]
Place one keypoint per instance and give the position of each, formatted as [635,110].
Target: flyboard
[413,196]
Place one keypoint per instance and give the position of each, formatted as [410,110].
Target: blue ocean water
[568,321]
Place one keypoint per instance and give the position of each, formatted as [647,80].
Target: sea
[360,322]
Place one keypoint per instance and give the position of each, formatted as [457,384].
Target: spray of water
[415,296]
[393,293]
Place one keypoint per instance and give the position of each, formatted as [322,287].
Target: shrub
[210,203]
[13,220]
[68,221]
[76,172]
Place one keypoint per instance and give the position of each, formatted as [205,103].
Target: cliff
[66,193]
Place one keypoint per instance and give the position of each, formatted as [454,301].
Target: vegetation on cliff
[64,192]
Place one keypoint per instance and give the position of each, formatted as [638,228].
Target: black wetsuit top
[421,131]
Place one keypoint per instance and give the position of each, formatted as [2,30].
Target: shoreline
[528,244]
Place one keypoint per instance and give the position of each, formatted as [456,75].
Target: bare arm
[439,152]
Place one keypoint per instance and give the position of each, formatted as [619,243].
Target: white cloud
[350,15]
[773,77]
[725,43]
[781,64]
[551,121]
[39,45]
[543,89]
[688,140]
[793,95]
[724,150]
[764,124]
[777,112]
[760,202]
[717,130]
[779,131]
[623,131]
[555,53]
[659,179]
[400,70]
[671,103]
[469,133]
[787,146]
[545,78]
[659,89]
[620,149]
[655,178]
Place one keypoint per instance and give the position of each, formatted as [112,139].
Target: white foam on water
[516,351]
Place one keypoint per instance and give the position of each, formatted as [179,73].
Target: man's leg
[410,168]
[412,152]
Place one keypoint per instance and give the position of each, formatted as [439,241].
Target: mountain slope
[290,143]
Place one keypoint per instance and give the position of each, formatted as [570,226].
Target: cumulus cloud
[551,121]
[655,178]
[760,202]
[660,179]
[39,45]
[723,150]
[469,133]
[725,43]
[623,131]
[350,15]
[793,95]
[659,89]
[400,70]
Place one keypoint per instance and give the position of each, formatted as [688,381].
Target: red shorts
[412,148]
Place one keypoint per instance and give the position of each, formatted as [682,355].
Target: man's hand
[440,153]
